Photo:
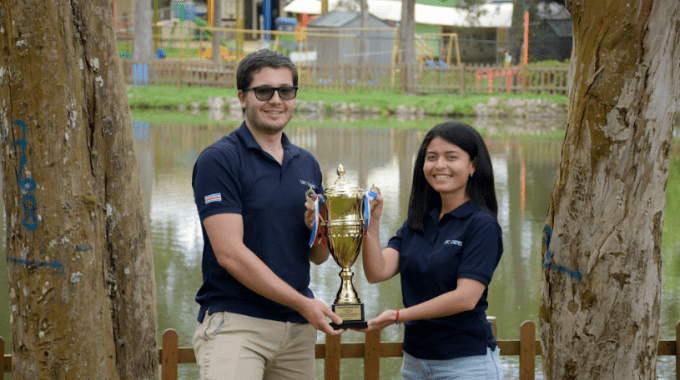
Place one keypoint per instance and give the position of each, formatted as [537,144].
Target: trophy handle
[310,195]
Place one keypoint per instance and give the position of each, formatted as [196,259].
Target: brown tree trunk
[142,45]
[407,44]
[600,299]
[363,40]
[217,35]
[81,281]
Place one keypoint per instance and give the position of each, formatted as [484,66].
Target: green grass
[156,116]
[168,97]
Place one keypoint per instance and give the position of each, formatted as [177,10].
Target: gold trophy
[343,212]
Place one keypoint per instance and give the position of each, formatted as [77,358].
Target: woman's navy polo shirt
[465,243]
[234,175]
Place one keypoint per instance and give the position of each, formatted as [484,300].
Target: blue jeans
[481,367]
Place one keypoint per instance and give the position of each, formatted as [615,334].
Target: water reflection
[524,168]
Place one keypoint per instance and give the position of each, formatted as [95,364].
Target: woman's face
[447,167]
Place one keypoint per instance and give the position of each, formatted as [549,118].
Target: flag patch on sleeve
[213,198]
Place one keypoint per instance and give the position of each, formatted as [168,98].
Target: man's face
[270,116]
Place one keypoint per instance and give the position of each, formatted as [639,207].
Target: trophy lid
[342,188]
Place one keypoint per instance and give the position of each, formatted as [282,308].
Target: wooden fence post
[179,74]
[2,357]
[372,356]
[527,351]
[332,358]
[345,78]
[170,355]
[494,328]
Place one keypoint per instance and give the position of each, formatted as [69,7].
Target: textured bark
[600,298]
[81,282]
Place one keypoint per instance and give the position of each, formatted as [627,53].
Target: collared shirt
[465,243]
[235,175]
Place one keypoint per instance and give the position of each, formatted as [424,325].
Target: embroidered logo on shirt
[307,184]
[213,198]
[454,242]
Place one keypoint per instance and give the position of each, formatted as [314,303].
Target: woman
[446,253]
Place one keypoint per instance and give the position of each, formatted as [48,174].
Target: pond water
[524,167]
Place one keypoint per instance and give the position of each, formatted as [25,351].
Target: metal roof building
[345,50]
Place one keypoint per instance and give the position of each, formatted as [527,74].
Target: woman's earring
[471,174]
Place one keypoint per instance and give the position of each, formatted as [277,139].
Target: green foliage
[172,116]
[169,96]
[550,63]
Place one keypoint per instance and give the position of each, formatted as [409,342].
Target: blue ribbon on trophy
[369,196]
[315,228]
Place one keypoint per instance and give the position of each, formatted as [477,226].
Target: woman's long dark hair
[480,187]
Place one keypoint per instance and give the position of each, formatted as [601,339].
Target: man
[258,318]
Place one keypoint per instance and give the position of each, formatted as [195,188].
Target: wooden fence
[332,351]
[461,79]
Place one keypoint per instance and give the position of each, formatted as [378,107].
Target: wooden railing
[332,351]
[460,79]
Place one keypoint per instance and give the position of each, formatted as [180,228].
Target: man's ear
[242,98]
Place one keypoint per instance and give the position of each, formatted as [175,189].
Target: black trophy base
[352,315]
[350,325]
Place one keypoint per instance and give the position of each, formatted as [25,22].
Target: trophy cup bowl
[343,229]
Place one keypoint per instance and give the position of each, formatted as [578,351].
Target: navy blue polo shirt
[235,175]
[465,243]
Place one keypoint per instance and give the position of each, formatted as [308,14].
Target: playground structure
[188,37]
[193,44]
[429,52]
[186,31]
[181,36]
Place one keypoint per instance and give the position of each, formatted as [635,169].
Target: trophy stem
[347,294]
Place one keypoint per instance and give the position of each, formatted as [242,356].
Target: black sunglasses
[264,93]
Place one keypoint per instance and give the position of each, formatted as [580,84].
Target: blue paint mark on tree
[48,264]
[547,262]
[28,202]
[79,248]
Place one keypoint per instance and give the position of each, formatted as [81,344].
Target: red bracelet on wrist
[397,317]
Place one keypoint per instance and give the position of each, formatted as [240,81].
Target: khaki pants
[237,347]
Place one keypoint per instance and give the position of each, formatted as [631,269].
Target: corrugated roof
[334,19]
[495,15]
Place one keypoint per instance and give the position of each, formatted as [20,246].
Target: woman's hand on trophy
[388,317]
[376,207]
[316,313]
